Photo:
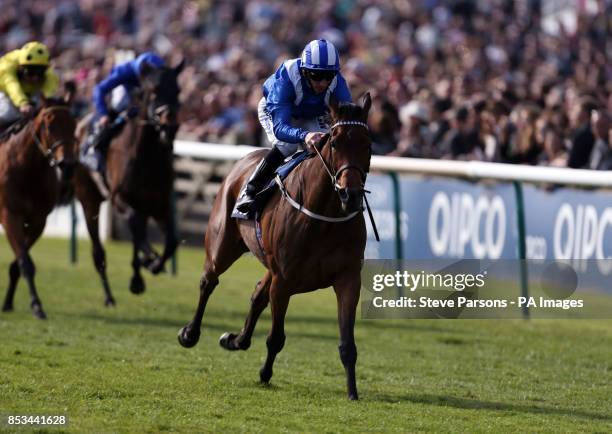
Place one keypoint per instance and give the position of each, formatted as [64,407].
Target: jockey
[24,74]
[293,110]
[128,75]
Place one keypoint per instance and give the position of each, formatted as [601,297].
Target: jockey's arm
[281,118]
[50,84]
[280,103]
[104,88]
[14,90]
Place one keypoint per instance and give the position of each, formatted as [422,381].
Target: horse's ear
[366,104]
[178,68]
[333,107]
[69,92]
[43,99]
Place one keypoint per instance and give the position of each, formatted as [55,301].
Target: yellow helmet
[34,53]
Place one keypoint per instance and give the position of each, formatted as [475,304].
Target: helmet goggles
[33,70]
[319,75]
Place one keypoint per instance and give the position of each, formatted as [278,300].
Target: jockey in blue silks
[293,110]
[105,122]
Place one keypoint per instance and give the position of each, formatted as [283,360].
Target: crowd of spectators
[460,79]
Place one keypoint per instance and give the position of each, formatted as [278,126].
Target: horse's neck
[315,188]
[132,137]
[24,146]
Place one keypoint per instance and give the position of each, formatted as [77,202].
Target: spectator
[415,137]
[461,141]
[524,147]
[601,157]
[554,153]
[582,138]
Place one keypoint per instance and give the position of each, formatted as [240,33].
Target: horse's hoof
[110,302]
[7,308]
[188,337]
[228,341]
[353,397]
[157,266]
[265,375]
[137,285]
[38,311]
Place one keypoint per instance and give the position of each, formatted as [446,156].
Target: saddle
[270,188]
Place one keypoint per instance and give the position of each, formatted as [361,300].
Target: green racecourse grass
[122,369]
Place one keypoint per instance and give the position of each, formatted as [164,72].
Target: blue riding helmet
[151,58]
[320,55]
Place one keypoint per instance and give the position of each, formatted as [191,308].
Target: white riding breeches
[8,112]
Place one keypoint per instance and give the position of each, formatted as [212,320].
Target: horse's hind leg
[276,339]
[14,274]
[259,301]
[138,227]
[220,255]
[99,255]
[347,296]
[90,199]
[171,242]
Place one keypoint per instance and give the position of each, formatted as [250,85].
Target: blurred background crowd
[518,81]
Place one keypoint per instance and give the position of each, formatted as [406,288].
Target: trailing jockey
[108,122]
[24,75]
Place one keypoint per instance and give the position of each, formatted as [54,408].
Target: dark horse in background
[34,163]
[301,253]
[140,174]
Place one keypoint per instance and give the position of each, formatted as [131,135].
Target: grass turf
[122,369]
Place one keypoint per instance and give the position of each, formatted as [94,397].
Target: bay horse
[140,174]
[34,163]
[304,248]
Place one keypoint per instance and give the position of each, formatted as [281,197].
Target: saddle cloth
[264,195]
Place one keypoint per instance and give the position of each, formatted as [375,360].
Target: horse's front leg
[138,227]
[347,296]
[168,227]
[14,273]
[20,242]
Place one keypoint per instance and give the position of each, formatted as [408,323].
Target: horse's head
[350,151]
[54,128]
[162,99]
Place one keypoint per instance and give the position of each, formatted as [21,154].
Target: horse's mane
[54,101]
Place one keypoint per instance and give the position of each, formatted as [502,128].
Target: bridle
[334,179]
[49,152]
[334,176]
[154,114]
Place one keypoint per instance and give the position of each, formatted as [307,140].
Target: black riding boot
[260,177]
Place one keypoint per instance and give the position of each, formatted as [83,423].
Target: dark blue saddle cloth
[264,195]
